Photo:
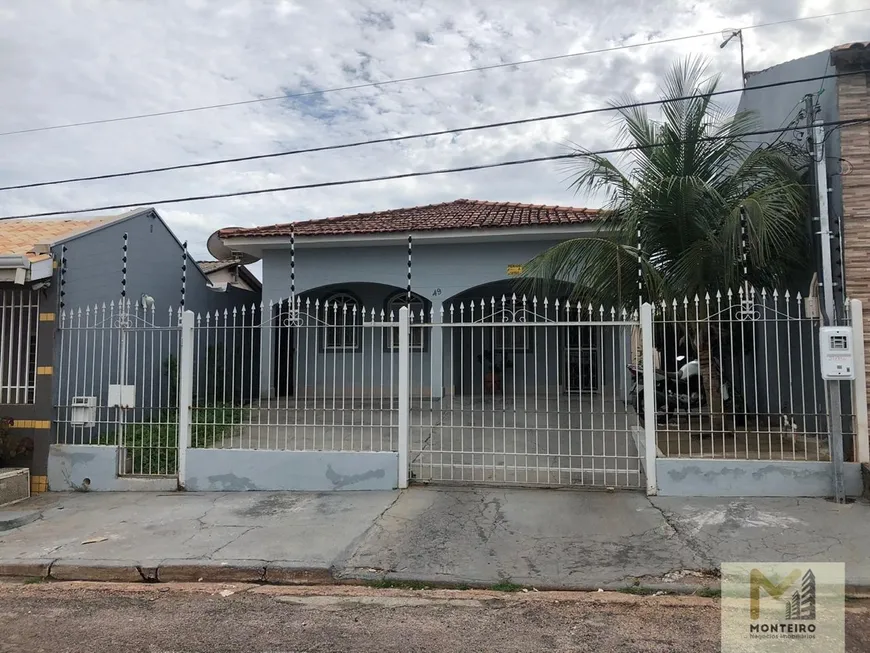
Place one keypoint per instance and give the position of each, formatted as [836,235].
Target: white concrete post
[436,356]
[404,394]
[859,385]
[649,399]
[185,393]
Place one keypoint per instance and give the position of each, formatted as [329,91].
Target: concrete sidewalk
[545,539]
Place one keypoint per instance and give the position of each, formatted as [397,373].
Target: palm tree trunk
[710,381]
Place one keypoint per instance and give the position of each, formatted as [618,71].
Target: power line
[407,137]
[404,175]
[415,78]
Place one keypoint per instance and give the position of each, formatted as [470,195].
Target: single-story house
[460,260]
[60,284]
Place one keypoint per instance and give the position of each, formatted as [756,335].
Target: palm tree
[673,209]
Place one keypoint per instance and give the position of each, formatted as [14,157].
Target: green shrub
[152,446]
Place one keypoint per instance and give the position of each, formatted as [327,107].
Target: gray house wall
[777,394]
[443,275]
[154,259]
[776,107]
[93,277]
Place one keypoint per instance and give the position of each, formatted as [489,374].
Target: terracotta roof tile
[459,214]
[23,236]
[213,266]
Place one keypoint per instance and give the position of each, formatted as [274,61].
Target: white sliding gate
[536,393]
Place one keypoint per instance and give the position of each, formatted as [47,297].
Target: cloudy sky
[69,61]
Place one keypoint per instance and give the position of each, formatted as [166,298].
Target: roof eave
[534,232]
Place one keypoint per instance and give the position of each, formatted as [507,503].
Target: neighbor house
[222,275]
[61,281]
[451,263]
[842,94]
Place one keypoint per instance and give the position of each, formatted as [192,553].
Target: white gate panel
[117,383]
[535,393]
[296,375]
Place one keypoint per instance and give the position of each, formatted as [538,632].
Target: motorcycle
[675,392]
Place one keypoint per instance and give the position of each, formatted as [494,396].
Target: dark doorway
[284,350]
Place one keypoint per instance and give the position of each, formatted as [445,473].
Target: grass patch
[152,445]
[638,590]
[709,592]
[385,583]
[506,586]
[36,580]
[463,587]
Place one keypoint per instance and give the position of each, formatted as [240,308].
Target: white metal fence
[739,377]
[118,382]
[19,324]
[314,377]
[485,390]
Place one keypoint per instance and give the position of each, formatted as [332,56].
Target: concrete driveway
[527,440]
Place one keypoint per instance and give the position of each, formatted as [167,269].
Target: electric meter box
[835,349]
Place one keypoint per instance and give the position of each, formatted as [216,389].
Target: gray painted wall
[93,277]
[222,470]
[371,369]
[751,478]
[154,262]
[776,107]
[438,273]
[442,275]
[86,468]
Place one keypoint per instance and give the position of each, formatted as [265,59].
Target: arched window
[342,317]
[419,309]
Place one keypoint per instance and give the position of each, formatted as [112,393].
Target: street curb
[278,572]
[122,571]
[217,571]
[289,573]
[35,568]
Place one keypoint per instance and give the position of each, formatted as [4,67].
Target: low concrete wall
[88,467]
[228,470]
[682,477]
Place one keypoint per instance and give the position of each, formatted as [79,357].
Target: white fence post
[185,393]
[404,393]
[649,399]
[859,385]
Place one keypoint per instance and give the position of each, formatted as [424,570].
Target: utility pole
[829,311]
[736,33]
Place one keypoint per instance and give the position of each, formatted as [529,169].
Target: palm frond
[683,192]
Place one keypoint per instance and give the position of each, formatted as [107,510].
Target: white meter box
[83,411]
[836,353]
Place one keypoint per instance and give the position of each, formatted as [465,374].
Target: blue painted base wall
[751,478]
[94,468]
[227,470]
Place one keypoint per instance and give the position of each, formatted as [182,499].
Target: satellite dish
[221,252]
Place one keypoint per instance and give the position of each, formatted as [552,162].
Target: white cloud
[68,61]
